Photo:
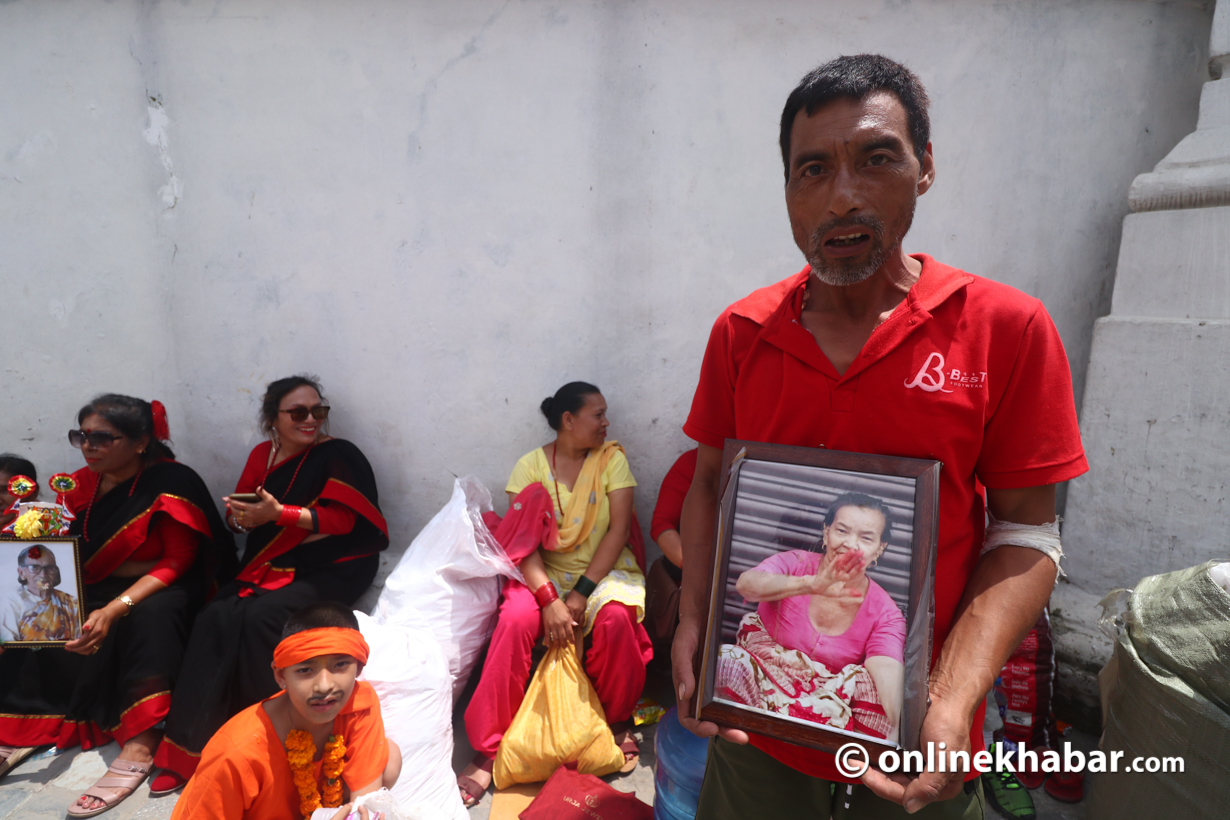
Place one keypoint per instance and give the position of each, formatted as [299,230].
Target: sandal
[122,779]
[630,746]
[1032,776]
[13,755]
[471,790]
[166,782]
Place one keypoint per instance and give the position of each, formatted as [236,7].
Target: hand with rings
[558,626]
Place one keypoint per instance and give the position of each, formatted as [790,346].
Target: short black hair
[320,615]
[568,399]
[12,464]
[855,77]
[865,502]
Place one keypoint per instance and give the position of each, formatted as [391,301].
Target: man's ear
[926,171]
[278,675]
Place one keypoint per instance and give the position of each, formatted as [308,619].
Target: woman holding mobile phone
[308,505]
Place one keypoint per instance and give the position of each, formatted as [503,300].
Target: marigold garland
[300,749]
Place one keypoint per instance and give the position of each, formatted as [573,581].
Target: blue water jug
[681,768]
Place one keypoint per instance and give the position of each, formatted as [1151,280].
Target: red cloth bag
[570,795]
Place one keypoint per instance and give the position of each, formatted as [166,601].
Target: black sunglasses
[98,439]
[320,412]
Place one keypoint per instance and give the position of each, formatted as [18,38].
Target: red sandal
[471,790]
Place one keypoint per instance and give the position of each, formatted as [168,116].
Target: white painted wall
[446,210]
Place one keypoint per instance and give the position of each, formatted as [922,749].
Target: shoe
[1066,787]
[471,790]
[121,780]
[1008,796]
[166,782]
[13,755]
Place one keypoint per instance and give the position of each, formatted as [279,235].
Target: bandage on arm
[1041,537]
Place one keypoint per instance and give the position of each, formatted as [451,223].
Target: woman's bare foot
[139,751]
[475,779]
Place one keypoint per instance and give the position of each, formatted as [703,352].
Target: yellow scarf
[586,500]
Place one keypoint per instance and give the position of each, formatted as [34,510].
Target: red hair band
[312,643]
[162,430]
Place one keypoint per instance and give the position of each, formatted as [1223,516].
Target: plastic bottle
[680,770]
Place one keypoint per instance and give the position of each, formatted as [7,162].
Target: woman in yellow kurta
[586,584]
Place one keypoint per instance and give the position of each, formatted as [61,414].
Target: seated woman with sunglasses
[151,542]
[314,533]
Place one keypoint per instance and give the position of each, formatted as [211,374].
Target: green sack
[1169,698]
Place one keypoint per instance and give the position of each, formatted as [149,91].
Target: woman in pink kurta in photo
[824,606]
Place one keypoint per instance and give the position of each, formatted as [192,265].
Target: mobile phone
[245,498]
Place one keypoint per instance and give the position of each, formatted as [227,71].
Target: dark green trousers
[744,782]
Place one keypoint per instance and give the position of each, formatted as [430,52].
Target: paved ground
[43,788]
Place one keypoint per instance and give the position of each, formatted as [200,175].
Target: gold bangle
[126,601]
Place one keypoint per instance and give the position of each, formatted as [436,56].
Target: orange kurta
[244,772]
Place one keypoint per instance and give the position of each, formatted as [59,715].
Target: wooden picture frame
[774,503]
[61,609]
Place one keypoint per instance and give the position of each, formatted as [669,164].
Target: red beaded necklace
[85,524]
[273,463]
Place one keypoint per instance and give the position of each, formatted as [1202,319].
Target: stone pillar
[1156,414]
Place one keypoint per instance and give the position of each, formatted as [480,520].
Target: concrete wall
[446,210]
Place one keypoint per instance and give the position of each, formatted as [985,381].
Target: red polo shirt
[966,371]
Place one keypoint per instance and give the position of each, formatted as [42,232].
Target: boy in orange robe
[246,770]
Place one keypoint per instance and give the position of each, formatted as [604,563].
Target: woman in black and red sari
[308,504]
[151,543]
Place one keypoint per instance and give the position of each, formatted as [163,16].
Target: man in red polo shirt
[871,350]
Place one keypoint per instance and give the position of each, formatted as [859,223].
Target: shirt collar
[936,282]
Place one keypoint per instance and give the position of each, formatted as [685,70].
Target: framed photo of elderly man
[40,592]
[820,596]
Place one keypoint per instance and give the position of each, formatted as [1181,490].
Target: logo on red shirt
[932,376]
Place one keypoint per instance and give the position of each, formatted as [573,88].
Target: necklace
[300,749]
[85,524]
[554,472]
[298,467]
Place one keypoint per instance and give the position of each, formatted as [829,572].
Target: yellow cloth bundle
[560,721]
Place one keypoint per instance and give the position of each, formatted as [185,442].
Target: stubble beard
[846,272]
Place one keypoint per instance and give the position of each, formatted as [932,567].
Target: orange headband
[311,643]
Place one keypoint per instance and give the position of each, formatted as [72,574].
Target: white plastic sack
[1221,575]
[381,805]
[448,582]
[409,672]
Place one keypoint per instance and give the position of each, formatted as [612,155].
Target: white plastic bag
[447,582]
[381,805]
[409,672]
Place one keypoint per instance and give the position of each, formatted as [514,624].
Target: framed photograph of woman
[40,592]
[820,596]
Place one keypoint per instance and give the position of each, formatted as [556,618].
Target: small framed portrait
[41,601]
[820,596]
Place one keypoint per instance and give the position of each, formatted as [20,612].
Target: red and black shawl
[333,471]
[119,521]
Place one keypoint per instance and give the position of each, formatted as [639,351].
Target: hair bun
[547,405]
